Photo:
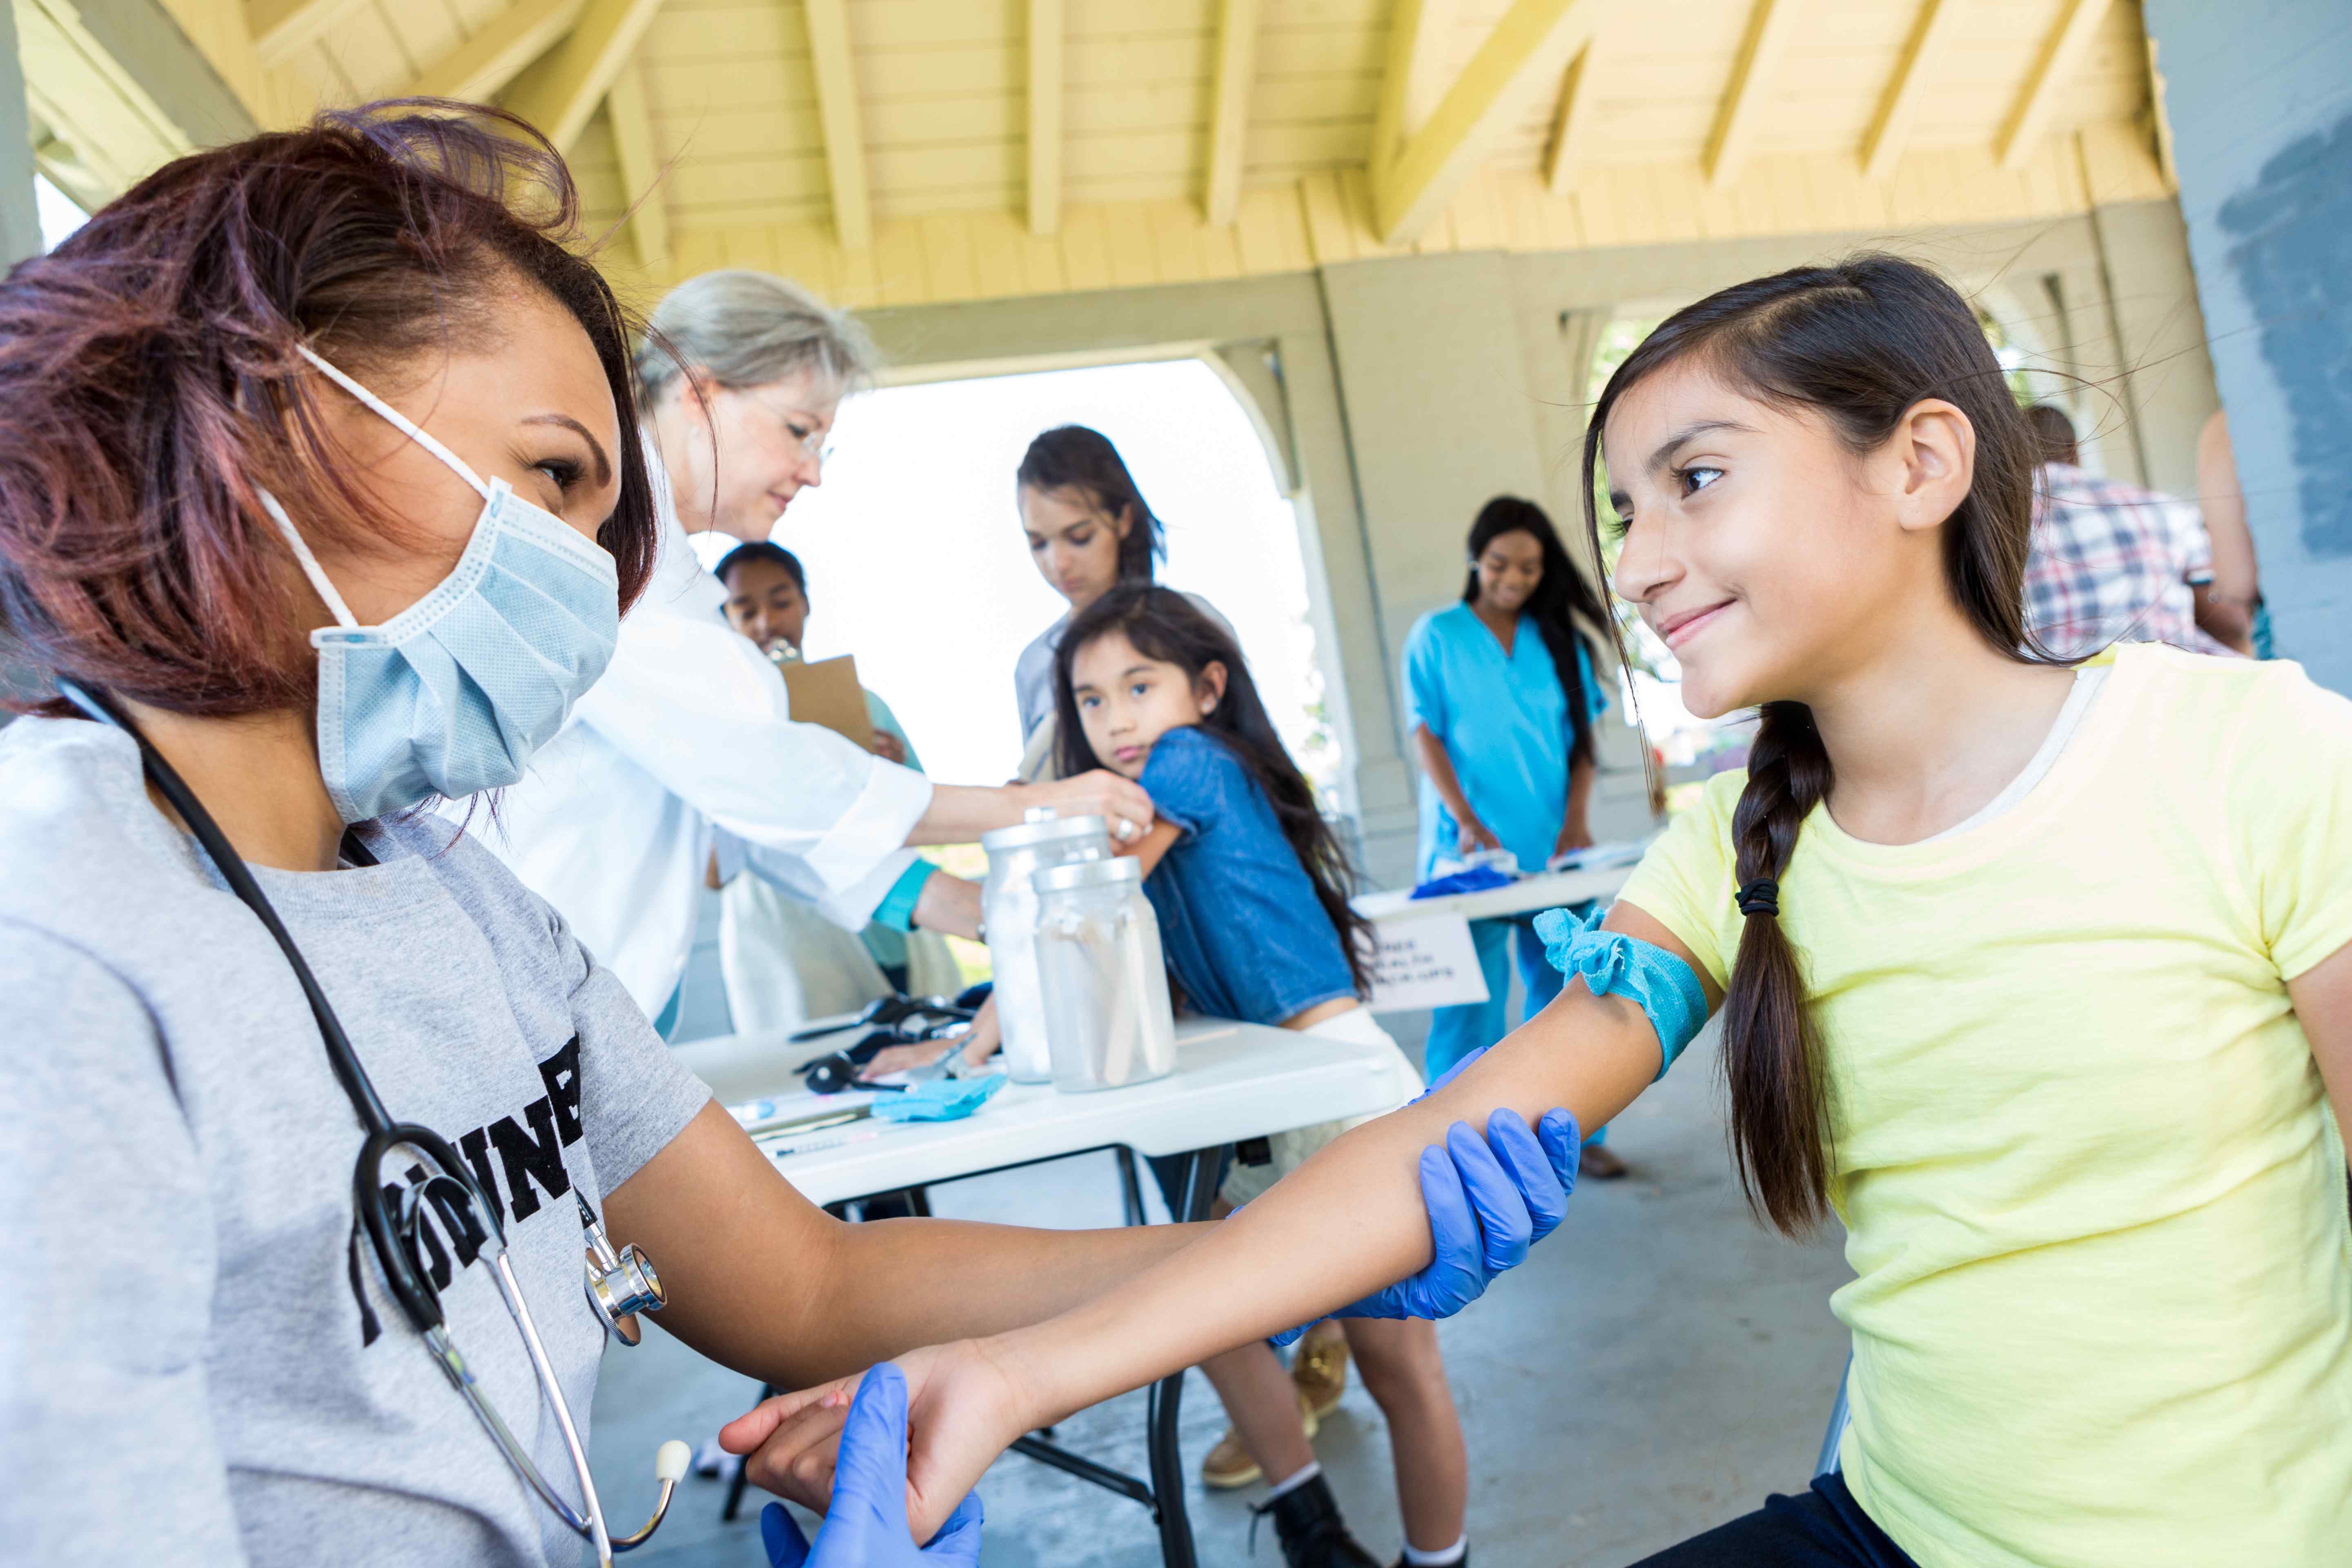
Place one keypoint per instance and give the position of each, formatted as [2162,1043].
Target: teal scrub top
[1503,721]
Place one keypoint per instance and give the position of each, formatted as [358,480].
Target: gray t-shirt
[198,1358]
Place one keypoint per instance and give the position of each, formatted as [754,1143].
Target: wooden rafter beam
[632,139]
[1890,127]
[1529,47]
[1571,124]
[1237,25]
[2062,51]
[559,91]
[281,28]
[1742,110]
[478,68]
[1045,116]
[842,115]
[1417,33]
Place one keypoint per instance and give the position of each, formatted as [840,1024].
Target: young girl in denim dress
[1250,888]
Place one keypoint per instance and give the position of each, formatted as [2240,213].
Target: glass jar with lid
[1008,920]
[1108,1019]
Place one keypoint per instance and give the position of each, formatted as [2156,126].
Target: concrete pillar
[20,223]
[1432,370]
[2158,334]
[2260,101]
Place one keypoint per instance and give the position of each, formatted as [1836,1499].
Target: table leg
[1130,1189]
[1164,1404]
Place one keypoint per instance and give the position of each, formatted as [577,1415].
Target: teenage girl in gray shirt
[328,379]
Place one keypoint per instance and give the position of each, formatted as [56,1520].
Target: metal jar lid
[1044,830]
[1088,874]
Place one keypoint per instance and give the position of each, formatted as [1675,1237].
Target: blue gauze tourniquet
[938,1099]
[1612,963]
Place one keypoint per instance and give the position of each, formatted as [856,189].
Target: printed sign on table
[1426,964]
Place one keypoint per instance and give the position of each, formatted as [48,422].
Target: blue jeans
[1456,1032]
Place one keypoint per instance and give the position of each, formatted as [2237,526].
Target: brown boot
[1319,1367]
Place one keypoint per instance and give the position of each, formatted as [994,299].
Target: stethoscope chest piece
[620,1284]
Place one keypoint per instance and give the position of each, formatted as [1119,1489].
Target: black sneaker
[1307,1521]
[1461,1562]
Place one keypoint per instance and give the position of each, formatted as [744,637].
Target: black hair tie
[1760,897]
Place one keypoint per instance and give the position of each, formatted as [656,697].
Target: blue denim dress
[1244,935]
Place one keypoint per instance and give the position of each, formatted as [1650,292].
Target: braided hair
[1861,344]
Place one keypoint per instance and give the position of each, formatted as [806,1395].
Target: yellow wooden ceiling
[907,149]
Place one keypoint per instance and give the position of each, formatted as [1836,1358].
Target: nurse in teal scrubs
[1501,703]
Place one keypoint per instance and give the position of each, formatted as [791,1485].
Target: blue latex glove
[1490,1200]
[938,1099]
[865,1527]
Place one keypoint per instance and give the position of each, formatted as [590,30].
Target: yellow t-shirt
[2092,1191]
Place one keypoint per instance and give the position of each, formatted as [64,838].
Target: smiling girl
[2038,978]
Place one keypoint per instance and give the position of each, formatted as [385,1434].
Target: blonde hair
[737,327]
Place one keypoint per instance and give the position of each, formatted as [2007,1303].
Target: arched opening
[918,565]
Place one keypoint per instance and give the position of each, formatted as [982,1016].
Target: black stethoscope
[620,1284]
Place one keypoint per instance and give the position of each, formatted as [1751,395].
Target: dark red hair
[150,384]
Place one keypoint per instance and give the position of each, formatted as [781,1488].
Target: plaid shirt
[2111,563]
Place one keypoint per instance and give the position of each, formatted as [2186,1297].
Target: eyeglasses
[811,442]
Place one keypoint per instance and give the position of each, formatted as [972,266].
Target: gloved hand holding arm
[1489,1201]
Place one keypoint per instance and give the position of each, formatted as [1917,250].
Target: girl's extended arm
[1354,1209]
[1472,834]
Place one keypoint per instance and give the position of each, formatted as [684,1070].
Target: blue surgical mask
[452,696]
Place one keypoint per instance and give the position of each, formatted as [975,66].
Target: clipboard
[826,692]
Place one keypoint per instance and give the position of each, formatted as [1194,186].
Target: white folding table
[1232,1082]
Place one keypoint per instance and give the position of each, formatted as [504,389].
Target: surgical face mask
[452,696]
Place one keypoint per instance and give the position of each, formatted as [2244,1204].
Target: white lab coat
[690,729]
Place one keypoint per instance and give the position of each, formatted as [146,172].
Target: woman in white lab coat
[687,736]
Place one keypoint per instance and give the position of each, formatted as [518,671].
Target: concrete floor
[1656,1367]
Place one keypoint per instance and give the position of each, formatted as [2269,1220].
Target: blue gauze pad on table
[1477,880]
[1612,963]
[938,1099]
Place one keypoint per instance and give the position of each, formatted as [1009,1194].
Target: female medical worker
[689,730]
[1501,701]
[327,379]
